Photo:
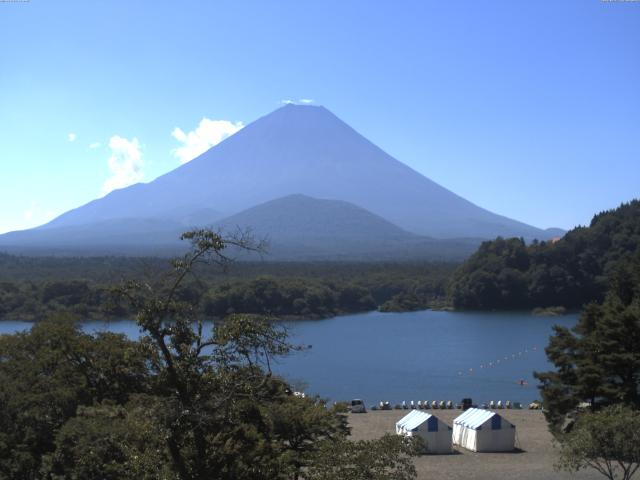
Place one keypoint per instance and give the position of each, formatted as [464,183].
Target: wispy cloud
[72,137]
[29,212]
[304,101]
[32,216]
[95,145]
[125,163]
[207,134]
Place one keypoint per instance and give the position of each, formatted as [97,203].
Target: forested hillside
[572,271]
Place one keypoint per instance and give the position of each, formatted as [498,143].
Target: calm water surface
[408,356]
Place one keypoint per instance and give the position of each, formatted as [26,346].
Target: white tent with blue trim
[483,431]
[436,433]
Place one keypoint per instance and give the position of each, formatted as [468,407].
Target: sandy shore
[534,460]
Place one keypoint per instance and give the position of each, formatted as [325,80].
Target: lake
[424,355]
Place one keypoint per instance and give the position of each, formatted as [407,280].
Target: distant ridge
[293,150]
[297,227]
[300,227]
[300,218]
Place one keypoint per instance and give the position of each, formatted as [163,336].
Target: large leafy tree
[109,442]
[211,384]
[598,361]
[607,441]
[592,398]
[46,375]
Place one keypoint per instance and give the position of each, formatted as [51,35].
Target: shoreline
[535,313]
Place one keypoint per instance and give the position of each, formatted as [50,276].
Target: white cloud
[125,163]
[29,212]
[30,217]
[95,145]
[304,101]
[206,135]
[72,137]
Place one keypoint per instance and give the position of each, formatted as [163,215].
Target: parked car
[357,406]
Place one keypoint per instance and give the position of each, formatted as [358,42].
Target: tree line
[337,289]
[569,272]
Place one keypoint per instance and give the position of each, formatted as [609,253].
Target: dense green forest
[34,287]
[570,272]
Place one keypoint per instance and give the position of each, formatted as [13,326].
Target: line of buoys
[498,361]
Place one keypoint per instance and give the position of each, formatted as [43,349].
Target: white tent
[483,431]
[436,433]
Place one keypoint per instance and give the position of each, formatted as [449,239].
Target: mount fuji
[302,153]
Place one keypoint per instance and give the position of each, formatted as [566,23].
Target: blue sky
[529,109]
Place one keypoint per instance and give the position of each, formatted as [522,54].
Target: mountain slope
[301,227]
[297,227]
[299,218]
[120,236]
[308,150]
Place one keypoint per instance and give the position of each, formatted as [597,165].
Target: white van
[357,406]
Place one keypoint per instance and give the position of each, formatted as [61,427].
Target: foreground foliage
[46,375]
[388,458]
[598,361]
[592,398]
[607,441]
[181,403]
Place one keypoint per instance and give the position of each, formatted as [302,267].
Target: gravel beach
[533,460]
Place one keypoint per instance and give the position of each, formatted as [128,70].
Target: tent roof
[414,419]
[474,418]
[408,417]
